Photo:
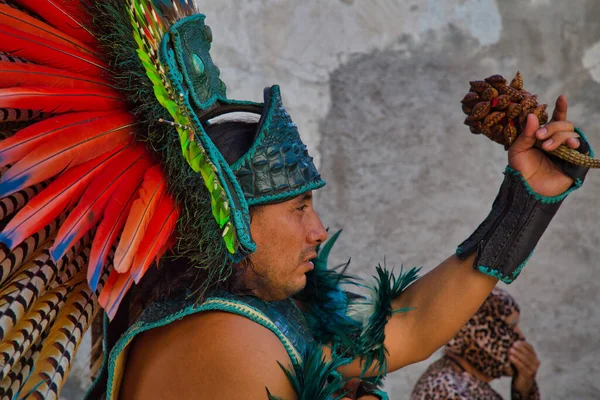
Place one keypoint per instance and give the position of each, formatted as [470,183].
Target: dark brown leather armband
[507,237]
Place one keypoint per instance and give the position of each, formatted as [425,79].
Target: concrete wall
[374,87]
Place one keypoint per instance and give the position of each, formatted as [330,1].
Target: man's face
[286,235]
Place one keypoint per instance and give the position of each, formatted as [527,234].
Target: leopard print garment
[446,380]
[483,342]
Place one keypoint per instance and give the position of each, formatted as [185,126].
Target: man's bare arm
[207,356]
[443,300]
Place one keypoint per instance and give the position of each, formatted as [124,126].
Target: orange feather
[112,223]
[139,217]
[28,74]
[68,16]
[24,22]
[68,150]
[45,52]
[114,290]
[157,236]
[91,206]
[53,200]
[61,100]
[38,134]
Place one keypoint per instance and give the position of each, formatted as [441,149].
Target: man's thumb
[526,139]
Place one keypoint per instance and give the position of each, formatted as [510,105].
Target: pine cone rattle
[499,111]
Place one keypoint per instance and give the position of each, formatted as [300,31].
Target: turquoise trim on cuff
[580,133]
[490,272]
[543,199]
[497,274]
[517,271]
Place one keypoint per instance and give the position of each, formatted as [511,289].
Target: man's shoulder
[213,350]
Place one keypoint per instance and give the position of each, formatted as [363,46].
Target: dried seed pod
[493,119]
[495,136]
[469,121]
[517,81]
[529,102]
[510,134]
[489,94]
[514,110]
[525,93]
[496,80]
[539,110]
[514,94]
[467,109]
[479,86]
[476,127]
[480,110]
[526,111]
[496,129]
[501,102]
[544,118]
[523,117]
[470,98]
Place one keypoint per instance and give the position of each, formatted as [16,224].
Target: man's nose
[317,234]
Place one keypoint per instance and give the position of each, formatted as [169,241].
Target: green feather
[200,239]
[317,378]
[371,340]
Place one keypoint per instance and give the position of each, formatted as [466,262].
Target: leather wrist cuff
[506,238]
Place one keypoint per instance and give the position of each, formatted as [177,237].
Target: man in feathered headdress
[115,106]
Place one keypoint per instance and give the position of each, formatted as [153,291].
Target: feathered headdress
[105,164]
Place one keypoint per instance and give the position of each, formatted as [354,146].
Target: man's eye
[302,208]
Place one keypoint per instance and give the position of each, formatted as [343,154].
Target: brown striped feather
[10,262]
[14,202]
[37,276]
[52,368]
[30,328]
[24,289]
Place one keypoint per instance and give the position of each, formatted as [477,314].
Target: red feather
[53,200]
[28,74]
[43,51]
[91,206]
[67,16]
[60,100]
[139,217]
[67,150]
[115,215]
[114,290]
[156,238]
[24,22]
[38,134]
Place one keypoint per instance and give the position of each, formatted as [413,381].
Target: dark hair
[176,275]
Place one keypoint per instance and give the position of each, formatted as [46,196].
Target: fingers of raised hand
[560,109]
[569,138]
[523,356]
[556,133]
[554,127]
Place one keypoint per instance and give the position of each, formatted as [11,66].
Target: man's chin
[299,286]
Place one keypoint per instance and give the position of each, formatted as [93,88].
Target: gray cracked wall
[375,87]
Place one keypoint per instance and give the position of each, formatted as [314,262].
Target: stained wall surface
[374,87]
